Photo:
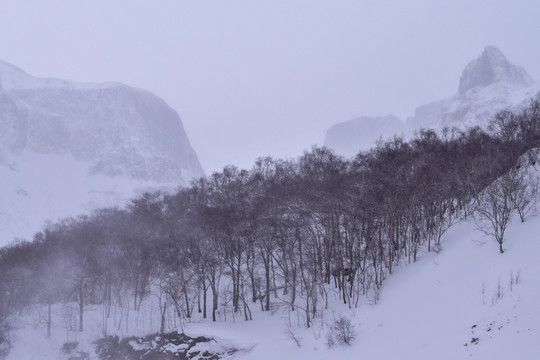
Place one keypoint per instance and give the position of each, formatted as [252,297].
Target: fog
[257,78]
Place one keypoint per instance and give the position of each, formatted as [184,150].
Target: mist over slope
[487,85]
[106,138]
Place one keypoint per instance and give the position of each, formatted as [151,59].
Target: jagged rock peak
[490,68]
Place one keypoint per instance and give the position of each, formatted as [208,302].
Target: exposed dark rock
[157,347]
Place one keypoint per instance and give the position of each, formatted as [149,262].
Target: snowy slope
[428,309]
[487,85]
[68,147]
[445,306]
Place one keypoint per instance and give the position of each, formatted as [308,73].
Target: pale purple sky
[255,78]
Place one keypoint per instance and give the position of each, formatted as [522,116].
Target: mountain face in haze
[66,148]
[487,85]
[492,67]
[116,129]
[349,137]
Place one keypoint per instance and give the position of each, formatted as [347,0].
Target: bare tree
[495,207]
[527,187]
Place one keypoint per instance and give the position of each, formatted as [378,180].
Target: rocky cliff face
[67,148]
[487,85]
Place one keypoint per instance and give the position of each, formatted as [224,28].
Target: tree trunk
[188,311]
[214,302]
[199,307]
[162,326]
[135,295]
[109,296]
[49,320]
[235,289]
[205,290]
[81,306]
[267,275]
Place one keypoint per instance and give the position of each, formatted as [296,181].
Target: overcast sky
[255,78]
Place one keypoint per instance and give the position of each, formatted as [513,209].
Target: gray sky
[255,78]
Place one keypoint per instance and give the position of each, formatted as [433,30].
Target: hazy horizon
[268,78]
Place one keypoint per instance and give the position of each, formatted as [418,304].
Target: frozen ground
[455,304]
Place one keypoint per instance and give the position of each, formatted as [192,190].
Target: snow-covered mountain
[68,147]
[487,85]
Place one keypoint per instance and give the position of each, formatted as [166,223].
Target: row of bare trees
[284,232]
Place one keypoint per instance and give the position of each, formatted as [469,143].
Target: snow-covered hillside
[445,306]
[66,146]
[487,85]
[465,300]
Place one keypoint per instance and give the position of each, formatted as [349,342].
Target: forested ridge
[282,233]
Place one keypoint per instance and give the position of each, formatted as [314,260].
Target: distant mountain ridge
[67,148]
[345,137]
[487,85]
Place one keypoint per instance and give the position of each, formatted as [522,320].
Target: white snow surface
[488,84]
[431,309]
